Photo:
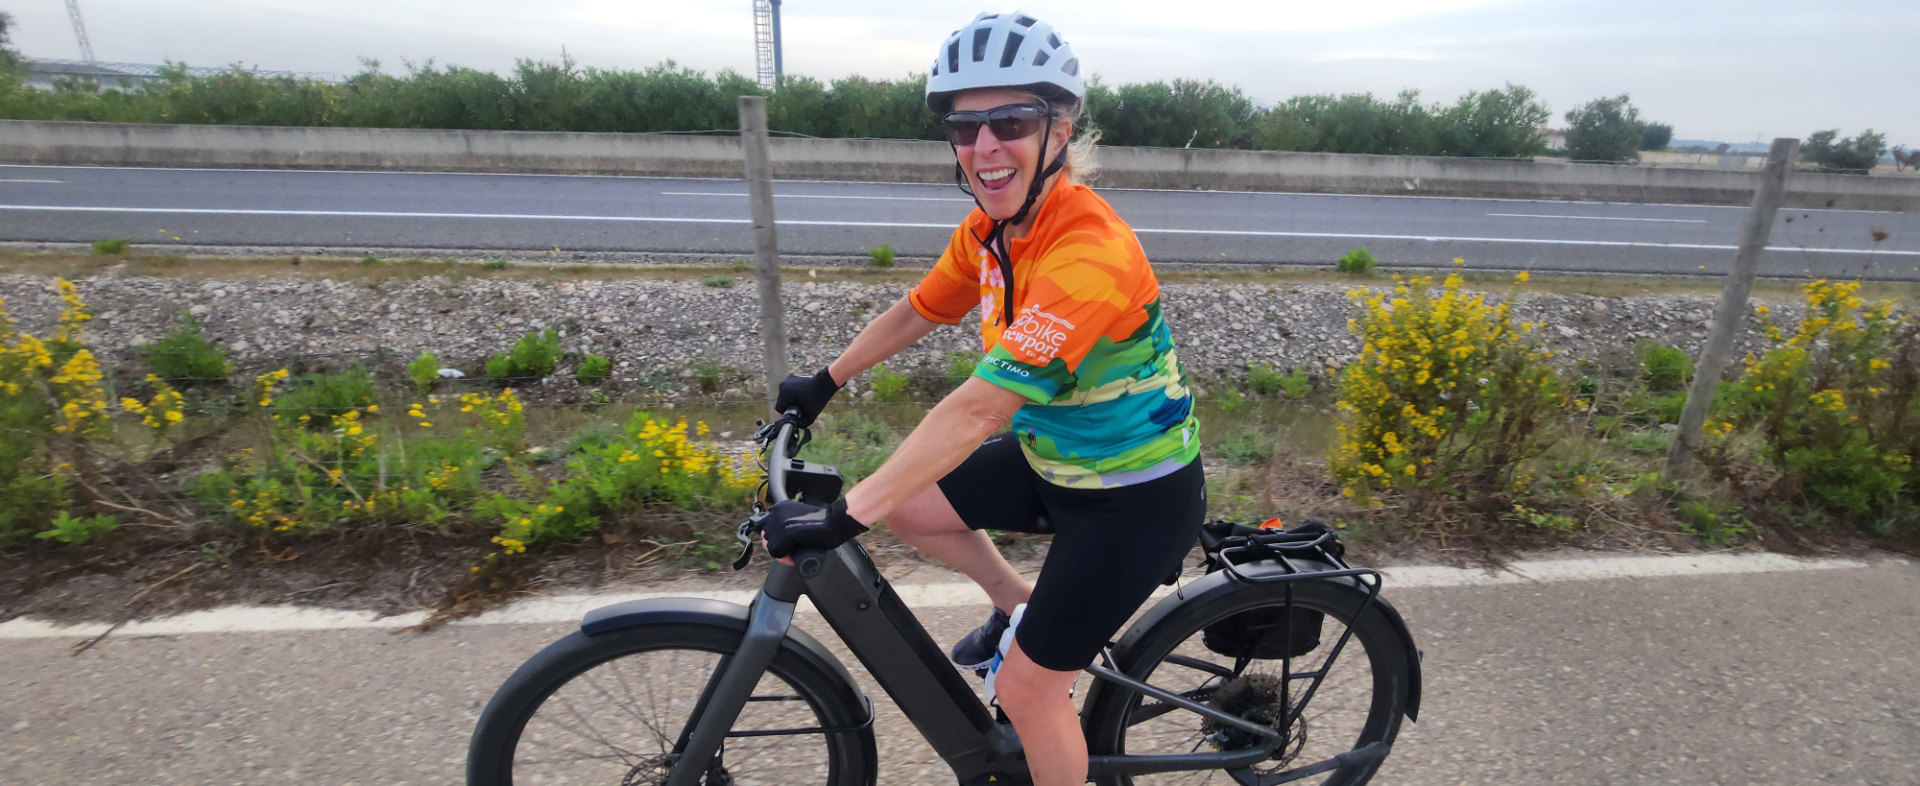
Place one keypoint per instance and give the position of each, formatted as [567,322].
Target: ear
[1060,135]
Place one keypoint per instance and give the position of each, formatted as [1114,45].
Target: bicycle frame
[869,616]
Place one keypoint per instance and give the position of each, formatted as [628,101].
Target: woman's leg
[928,522]
[1036,699]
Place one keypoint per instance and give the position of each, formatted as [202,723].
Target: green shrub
[960,366]
[424,371]
[888,385]
[184,355]
[719,282]
[533,356]
[648,461]
[76,531]
[1358,262]
[1229,398]
[882,256]
[1835,405]
[1664,368]
[1446,400]
[706,373]
[369,260]
[853,442]
[324,397]
[593,370]
[1266,381]
[494,264]
[108,248]
[51,401]
[1247,446]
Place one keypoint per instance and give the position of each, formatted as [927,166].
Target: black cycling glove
[807,394]
[796,525]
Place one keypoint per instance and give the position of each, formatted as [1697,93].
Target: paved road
[1779,677]
[356,210]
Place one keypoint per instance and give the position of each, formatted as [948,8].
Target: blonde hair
[1083,160]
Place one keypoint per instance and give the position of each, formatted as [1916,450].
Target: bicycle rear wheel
[1360,699]
[608,709]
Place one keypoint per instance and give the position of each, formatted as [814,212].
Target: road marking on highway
[936,225]
[819,196]
[1603,218]
[735,180]
[17,180]
[570,608]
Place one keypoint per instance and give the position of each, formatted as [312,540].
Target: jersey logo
[1037,334]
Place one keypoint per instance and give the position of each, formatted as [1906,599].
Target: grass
[279,268]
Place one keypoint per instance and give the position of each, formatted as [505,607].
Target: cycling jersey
[1088,347]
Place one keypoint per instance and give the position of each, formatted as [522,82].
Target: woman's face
[999,170]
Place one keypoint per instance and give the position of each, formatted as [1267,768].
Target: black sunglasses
[1009,122]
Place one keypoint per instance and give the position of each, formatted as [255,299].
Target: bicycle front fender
[731,617]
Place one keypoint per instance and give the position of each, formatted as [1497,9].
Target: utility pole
[766,243]
[1732,313]
[766,42]
[80,31]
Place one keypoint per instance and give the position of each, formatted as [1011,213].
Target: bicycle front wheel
[1358,699]
[609,709]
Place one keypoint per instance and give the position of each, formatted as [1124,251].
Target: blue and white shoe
[980,648]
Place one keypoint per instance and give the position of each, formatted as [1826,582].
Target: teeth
[996,174]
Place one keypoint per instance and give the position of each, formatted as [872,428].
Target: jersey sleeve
[1075,298]
[952,287]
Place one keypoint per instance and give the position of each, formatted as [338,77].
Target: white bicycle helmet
[1007,49]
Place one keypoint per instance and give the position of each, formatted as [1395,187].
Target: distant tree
[1605,129]
[1903,158]
[1503,123]
[1655,136]
[1856,155]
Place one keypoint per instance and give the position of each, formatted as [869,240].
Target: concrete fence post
[1732,313]
[766,241]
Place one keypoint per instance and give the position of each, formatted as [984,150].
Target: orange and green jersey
[1088,347]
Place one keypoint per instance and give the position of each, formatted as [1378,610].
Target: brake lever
[749,535]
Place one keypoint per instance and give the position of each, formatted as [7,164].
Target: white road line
[821,196]
[1519,240]
[938,225]
[928,185]
[1603,218]
[570,608]
[18,180]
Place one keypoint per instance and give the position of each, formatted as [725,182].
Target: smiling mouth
[996,179]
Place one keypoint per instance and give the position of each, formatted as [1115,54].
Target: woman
[1096,440]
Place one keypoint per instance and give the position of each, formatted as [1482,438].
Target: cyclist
[1096,439]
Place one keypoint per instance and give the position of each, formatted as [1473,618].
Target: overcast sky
[1733,71]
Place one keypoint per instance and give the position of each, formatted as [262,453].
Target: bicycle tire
[1112,726]
[563,701]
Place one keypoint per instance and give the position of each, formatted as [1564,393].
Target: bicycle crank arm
[730,686]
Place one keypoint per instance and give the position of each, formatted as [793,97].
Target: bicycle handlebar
[781,439]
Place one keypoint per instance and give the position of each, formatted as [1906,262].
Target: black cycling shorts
[1111,546]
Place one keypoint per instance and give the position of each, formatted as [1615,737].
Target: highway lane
[483,212]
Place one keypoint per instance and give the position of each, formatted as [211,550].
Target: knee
[926,513]
[1023,686]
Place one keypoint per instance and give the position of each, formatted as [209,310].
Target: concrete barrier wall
[115,144]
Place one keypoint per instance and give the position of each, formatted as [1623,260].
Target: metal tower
[80,31]
[766,41]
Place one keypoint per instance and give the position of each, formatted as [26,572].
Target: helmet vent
[1040,58]
[1072,67]
[1025,21]
[1053,40]
[953,56]
[1012,50]
[980,37]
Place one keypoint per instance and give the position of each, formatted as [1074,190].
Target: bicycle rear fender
[1219,583]
[713,613]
